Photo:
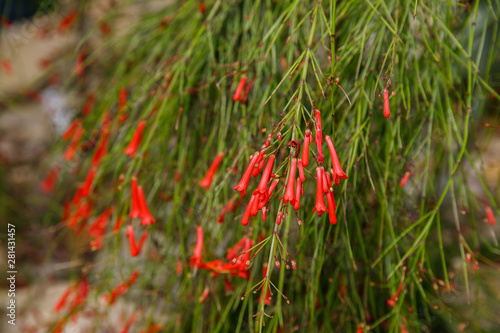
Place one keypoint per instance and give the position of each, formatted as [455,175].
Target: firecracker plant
[288,165]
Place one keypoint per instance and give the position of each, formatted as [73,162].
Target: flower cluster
[238,256]
[259,201]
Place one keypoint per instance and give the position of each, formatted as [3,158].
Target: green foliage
[181,68]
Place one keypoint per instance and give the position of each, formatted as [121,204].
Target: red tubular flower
[207,180]
[135,209]
[326,188]
[70,131]
[305,148]
[239,89]
[302,176]
[85,189]
[319,145]
[64,298]
[387,111]
[317,125]
[490,215]
[244,98]
[248,210]
[243,184]
[145,214]
[136,139]
[337,168]
[67,21]
[197,259]
[405,179]
[331,207]
[255,207]
[262,188]
[6,66]
[89,104]
[70,152]
[264,214]
[135,249]
[298,189]
[272,187]
[47,184]
[320,203]
[289,193]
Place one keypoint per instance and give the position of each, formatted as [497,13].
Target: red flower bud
[337,168]
[262,188]
[305,148]
[387,111]
[404,179]
[239,89]
[302,176]
[490,215]
[243,184]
